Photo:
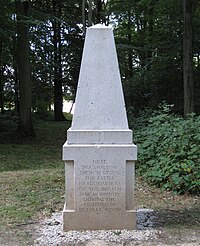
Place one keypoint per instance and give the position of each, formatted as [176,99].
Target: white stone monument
[99,154]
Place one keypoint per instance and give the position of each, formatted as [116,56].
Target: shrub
[169,151]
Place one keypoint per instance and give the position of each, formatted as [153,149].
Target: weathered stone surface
[99,155]
[99,101]
[103,185]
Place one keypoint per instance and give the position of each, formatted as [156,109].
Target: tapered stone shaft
[99,154]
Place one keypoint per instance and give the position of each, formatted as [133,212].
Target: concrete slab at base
[99,220]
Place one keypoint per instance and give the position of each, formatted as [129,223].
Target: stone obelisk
[99,154]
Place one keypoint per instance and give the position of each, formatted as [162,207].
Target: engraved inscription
[99,187]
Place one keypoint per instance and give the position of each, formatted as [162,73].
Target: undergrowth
[169,151]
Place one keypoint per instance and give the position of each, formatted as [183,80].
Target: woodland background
[158,46]
[41,42]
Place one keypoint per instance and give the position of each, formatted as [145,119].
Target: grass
[26,193]
[28,157]
[27,196]
[32,184]
[173,211]
[31,175]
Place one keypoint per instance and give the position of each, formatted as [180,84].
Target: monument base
[99,186]
[98,221]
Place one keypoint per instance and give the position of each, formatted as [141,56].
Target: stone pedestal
[99,155]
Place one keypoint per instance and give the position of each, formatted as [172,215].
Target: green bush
[169,151]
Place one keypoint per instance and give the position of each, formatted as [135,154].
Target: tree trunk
[25,125]
[1,78]
[83,17]
[58,94]
[90,13]
[70,111]
[99,11]
[16,79]
[130,53]
[188,8]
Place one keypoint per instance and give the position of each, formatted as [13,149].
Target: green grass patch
[27,193]
[21,157]
[42,151]
[31,174]
[26,197]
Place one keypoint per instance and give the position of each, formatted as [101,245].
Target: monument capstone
[99,154]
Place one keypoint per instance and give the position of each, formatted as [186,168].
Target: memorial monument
[99,154]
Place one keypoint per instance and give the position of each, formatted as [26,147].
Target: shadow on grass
[42,151]
[187,218]
[47,132]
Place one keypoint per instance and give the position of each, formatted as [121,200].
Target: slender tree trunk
[83,17]
[99,11]
[198,59]
[25,125]
[58,94]
[16,88]
[105,17]
[188,8]
[130,53]
[70,111]
[1,78]
[90,13]
[16,79]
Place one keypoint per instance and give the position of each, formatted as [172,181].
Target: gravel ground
[51,233]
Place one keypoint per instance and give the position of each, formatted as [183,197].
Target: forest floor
[32,188]
[177,218]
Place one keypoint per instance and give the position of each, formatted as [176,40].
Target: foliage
[149,37]
[169,152]
[41,39]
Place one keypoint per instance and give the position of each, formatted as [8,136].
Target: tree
[188,11]
[42,68]
[25,125]
[94,12]
[149,38]
[58,93]
[5,33]
[1,78]
[99,11]
[56,41]
[149,42]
